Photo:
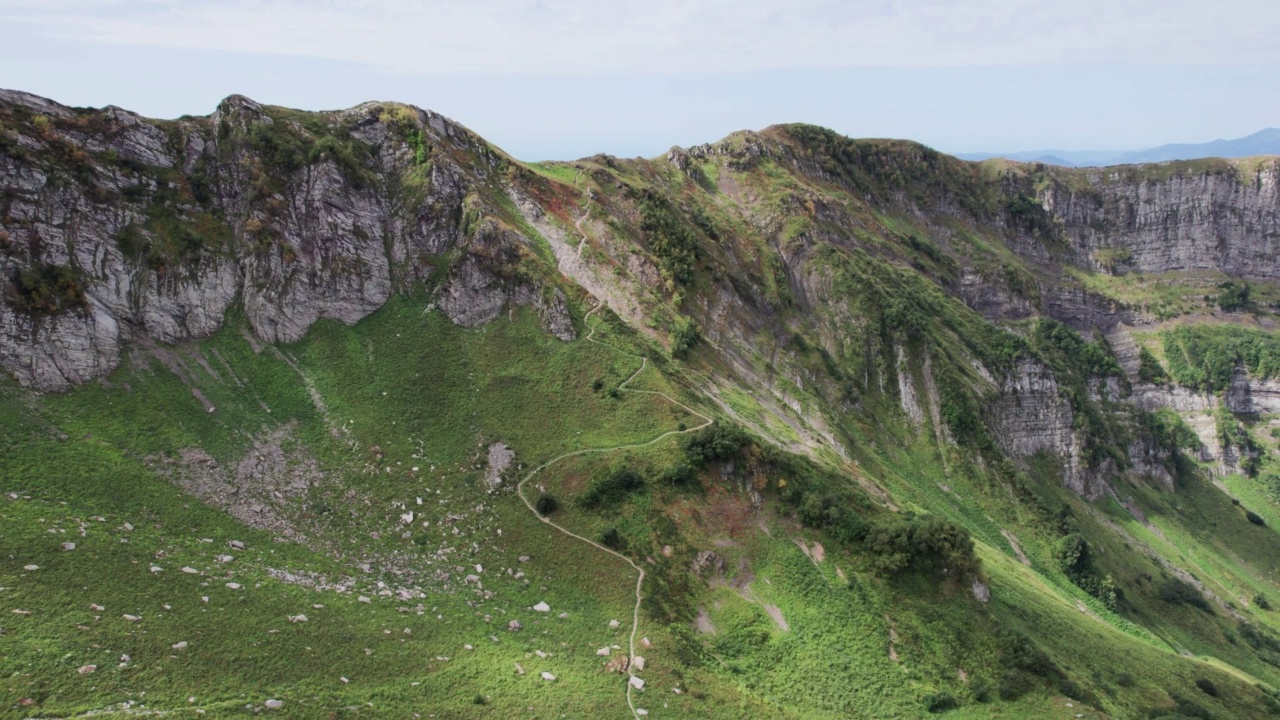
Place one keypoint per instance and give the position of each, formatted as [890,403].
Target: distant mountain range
[1263,142]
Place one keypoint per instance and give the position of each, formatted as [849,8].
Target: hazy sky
[568,78]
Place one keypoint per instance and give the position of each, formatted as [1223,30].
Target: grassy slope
[430,395]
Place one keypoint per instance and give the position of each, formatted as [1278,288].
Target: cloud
[596,37]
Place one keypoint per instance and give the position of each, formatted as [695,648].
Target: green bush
[1261,602]
[1205,357]
[1019,652]
[684,336]
[611,539]
[1177,592]
[1207,687]
[672,241]
[940,701]
[678,475]
[1073,557]
[1233,296]
[1149,368]
[546,504]
[611,489]
[923,545]
[713,443]
[45,289]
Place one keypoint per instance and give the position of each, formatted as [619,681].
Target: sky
[562,79]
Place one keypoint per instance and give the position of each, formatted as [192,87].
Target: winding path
[644,363]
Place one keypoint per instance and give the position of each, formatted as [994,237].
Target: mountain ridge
[1008,422]
[1264,142]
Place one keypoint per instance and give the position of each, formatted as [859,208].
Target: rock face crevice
[165,226]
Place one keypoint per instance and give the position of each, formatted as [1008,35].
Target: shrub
[1177,592]
[1261,602]
[1124,680]
[940,701]
[612,488]
[1233,296]
[1149,368]
[675,245]
[715,442]
[1018,652]
[597,385]
[1072,690]
[1205,357]
[678,475]
[1254,518]
[611,539]
[547,504]
[684,336]
[927,544]
[45,288]
[1207,687]
[1013,685]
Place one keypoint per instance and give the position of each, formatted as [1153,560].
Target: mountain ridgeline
[987,435]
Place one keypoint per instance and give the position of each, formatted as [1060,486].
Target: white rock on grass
[96,607]
[179,645]
[637,662]
[233,586]
[274,704]
[67,546]
[548,676]
[131,618]
[224,558]
[236,545]
[636,682]
[519,670]
[86,669]
[514,625]
[297,618]
[190,570]
[29,568]
[156,569]
[363,599]
[542,607]
[540,654]
[603,652]
[614,624]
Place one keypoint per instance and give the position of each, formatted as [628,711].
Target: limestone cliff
[114,226]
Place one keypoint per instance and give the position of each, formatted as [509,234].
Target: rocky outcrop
[1032,416]
[1248,395]
[164,226]
[1201,215]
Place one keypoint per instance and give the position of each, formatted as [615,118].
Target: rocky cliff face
[1200,215]
[113,226]
[1032,416]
